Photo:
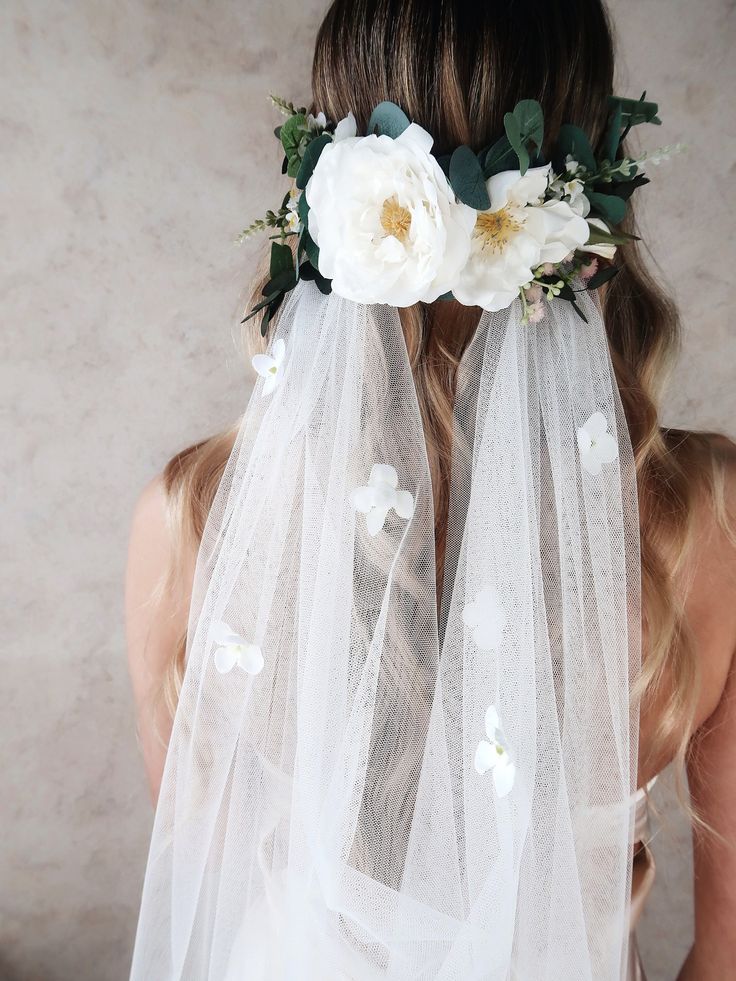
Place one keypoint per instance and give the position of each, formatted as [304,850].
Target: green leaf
[260,306]
[609,206]
[599,237]
[466,179]
[447,296]
[572,141]
[602,276]
[291,134]
[578,311]
[388,120]
[528,113]
[282,259]
[625,188]
[309,161]
[636,111]
[309,246]
[613,137]
[281,283]
[499,157]
[312,275]
[513,132]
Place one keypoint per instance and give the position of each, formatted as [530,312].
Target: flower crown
[379,219]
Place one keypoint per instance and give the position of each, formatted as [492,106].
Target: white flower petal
[346,128]
[225,658]
[596,425]
[591,462]
[404,504]
[263,364]
[375,520]
[606,448]
[485,757]
[488,634]
[363,499]
[250,658]
[383,473]
[584,441]
[492,721]
[222,633]
[504,775]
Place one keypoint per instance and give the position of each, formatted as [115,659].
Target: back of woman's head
[456,67]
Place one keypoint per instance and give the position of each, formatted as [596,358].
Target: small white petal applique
[486,618]
[493,754]
[270,366]
[595,444]
[381,495]
[233,649]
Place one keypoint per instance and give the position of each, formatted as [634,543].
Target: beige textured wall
[134,144]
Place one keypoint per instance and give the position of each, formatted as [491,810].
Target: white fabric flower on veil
[380,496]
[518,233]
[596,445]
[233,649]
[486,618]
[385,219]
[269,366]
[492,754]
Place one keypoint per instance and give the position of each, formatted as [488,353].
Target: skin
[708,587]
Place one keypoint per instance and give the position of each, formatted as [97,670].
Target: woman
[316,869]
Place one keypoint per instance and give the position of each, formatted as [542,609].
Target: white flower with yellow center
[518,233]
[232,649]
[293,221]
[387,224]
[269,366]
[493,754]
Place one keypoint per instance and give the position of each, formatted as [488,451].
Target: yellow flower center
[395,219]
[496,228]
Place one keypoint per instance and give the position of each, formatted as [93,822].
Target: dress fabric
[642,880]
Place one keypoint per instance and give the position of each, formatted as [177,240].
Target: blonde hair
[452,67]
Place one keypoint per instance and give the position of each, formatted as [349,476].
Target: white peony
[518,233]
[386,221]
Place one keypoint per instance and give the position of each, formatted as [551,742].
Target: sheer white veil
[362,786]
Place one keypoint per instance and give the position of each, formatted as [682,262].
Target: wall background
[134,145]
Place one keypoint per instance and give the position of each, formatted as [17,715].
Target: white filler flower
[486,618]
[233,649]
[517,234]
[596,445]
[382,494]
[269,366]
[492,754]
[386,221]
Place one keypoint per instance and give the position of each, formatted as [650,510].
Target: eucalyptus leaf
[625,188]
[499,157]
[281,283]
[466,179]
[530,117]
[388,120]
[513,132]
[311,156]
[609,206]
[572,141]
